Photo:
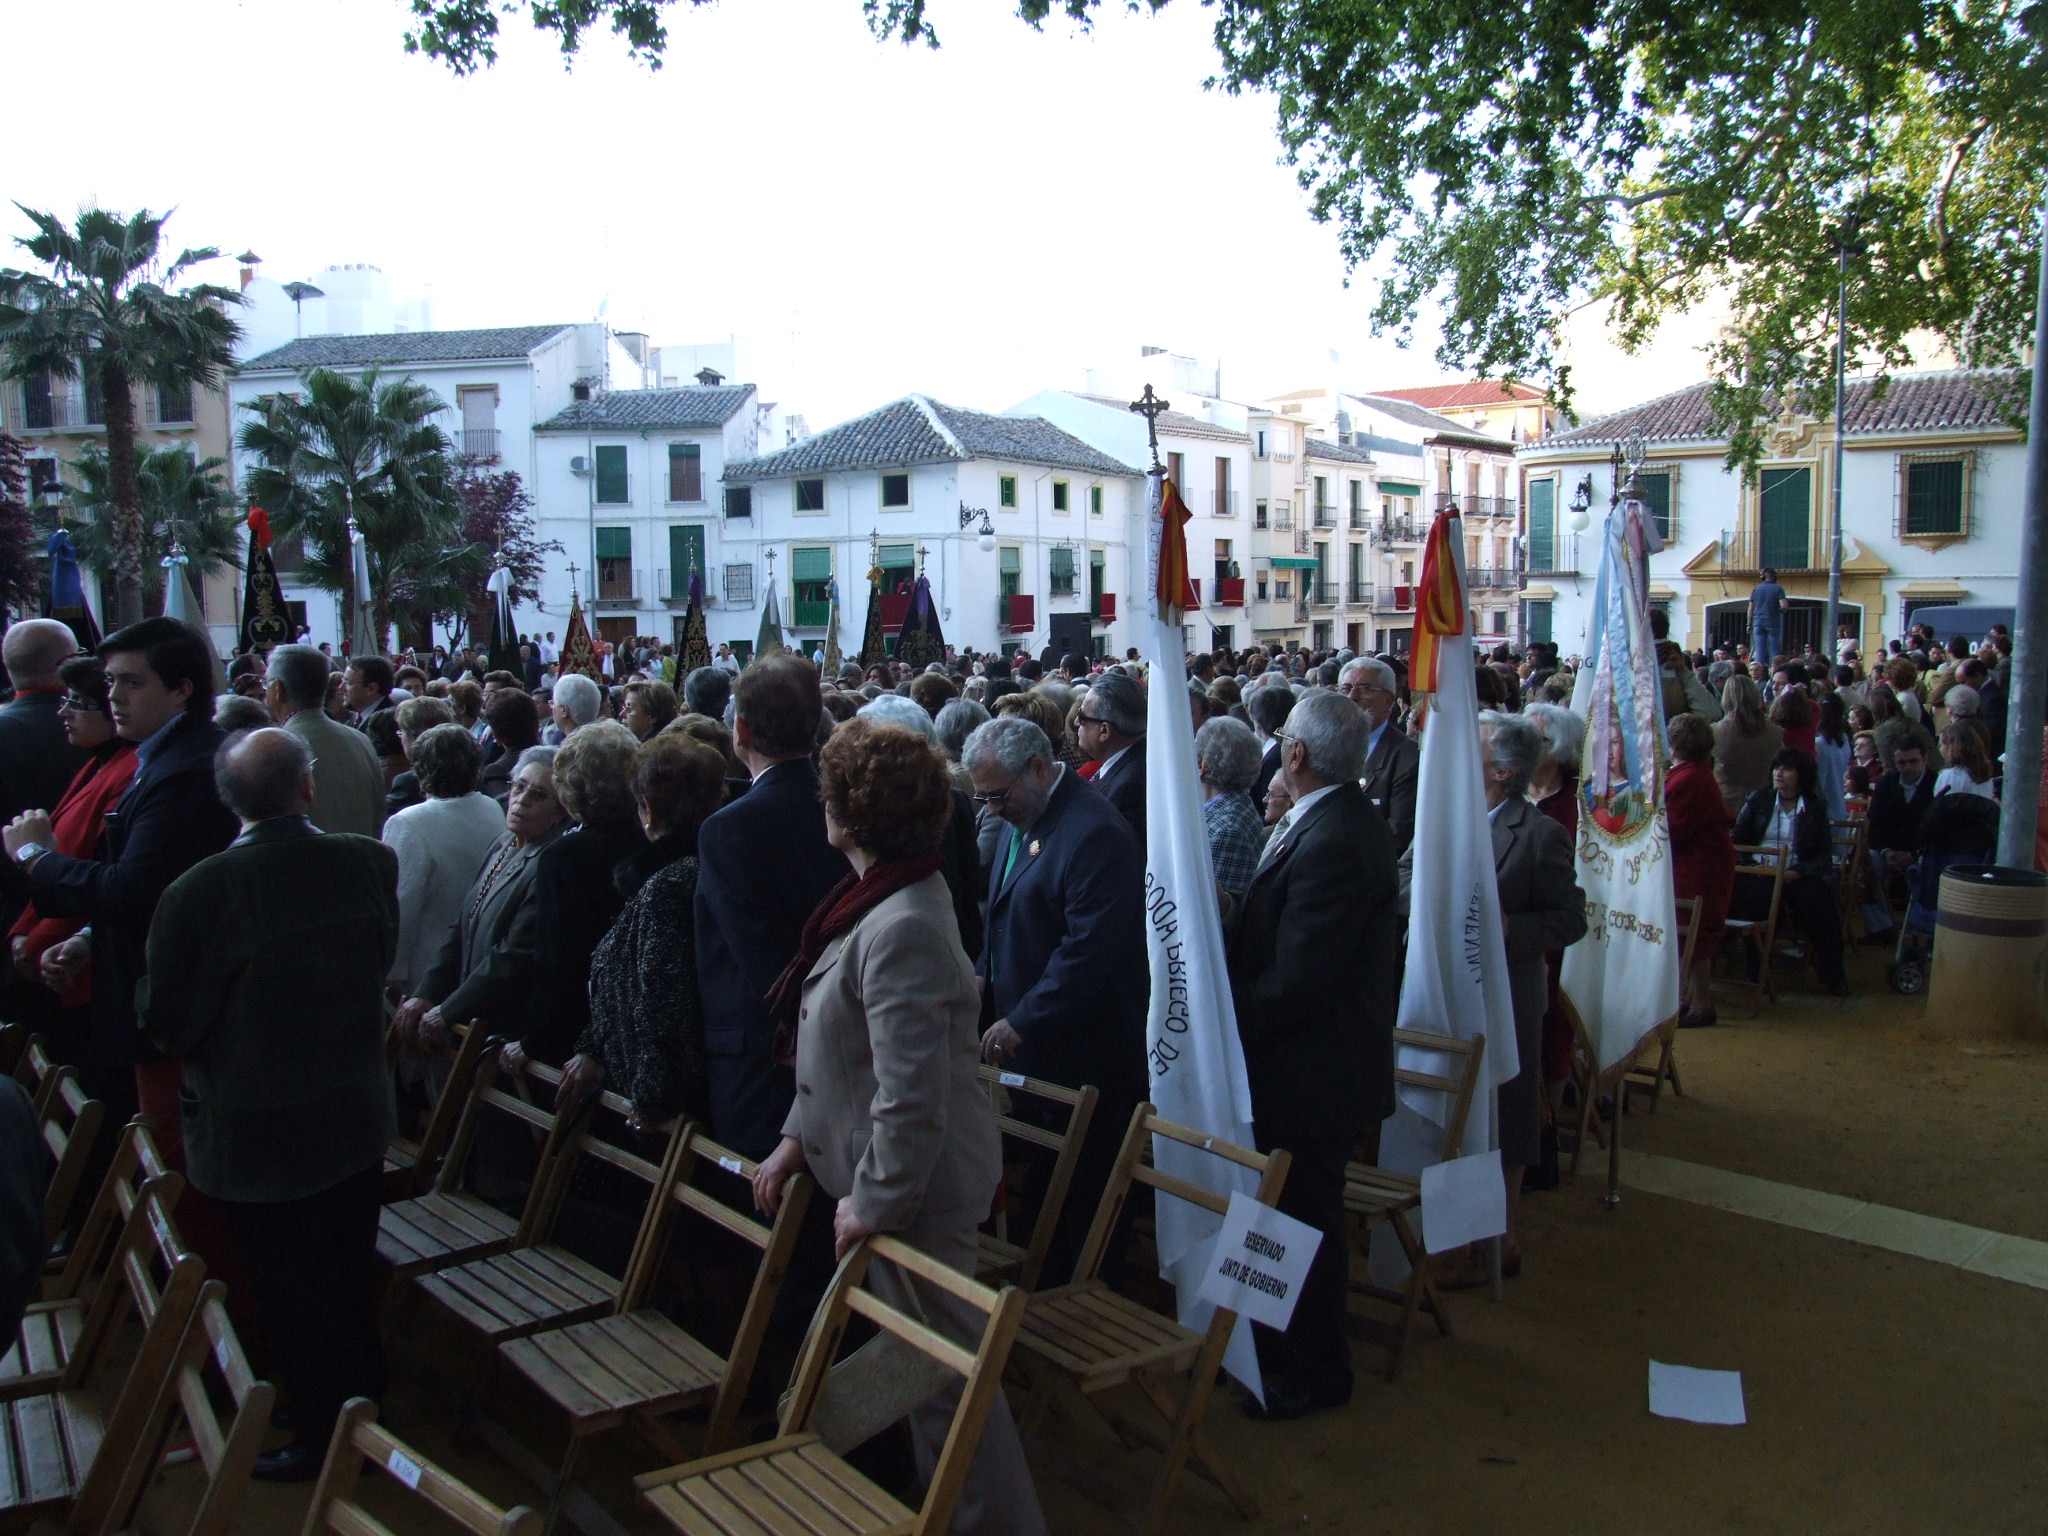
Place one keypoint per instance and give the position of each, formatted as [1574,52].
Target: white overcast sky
[976,223]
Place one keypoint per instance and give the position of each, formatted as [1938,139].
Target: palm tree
[185,501]
[359,447]
[106,309]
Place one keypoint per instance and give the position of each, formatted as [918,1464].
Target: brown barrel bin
[1990,951]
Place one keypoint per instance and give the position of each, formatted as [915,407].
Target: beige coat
[889,1108]
[348,780]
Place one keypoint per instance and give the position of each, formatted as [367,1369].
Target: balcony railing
[1017,614]
[1493,578]
[1358,519]
[1561,559]
[1746,553]
[1301,539]
[1358,593]
[811,612]
[1326,516]
[1478,506]
[1301,609]
[675,587]
[1105,608]
[616,590]
[1230,591]
[1225,502]
[1394,599]
[162,408]
[1403,530]
[1326,594]
[477,442]
[57,411]
[1283,518]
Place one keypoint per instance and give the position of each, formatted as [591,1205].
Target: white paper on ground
[1259,1262]
[1701,1397]
[1463,1201]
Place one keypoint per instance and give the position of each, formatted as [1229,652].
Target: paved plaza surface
[1853,1214]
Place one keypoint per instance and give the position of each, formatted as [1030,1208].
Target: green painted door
[1785,519]
[1542,525]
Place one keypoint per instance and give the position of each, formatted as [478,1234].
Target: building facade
[1932,486]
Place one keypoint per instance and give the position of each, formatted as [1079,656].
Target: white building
[496,386]
[1932,488]
[915,484]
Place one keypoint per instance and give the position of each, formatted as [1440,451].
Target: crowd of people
[801,910]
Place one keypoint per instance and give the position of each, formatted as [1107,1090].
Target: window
[1095,501]
[810,496]
[613,484]
[1062,571]
[174,402]
[1357,488]
[1262,586]
[739,585]
[1010,569]
[615,561]
[685,555]
[1059,496]
[1259,514]
[895,490]
[1543,524]
[1177,472]
[1537,613]
[38,405]
[685,472]
[1653,488]
[477,437]
[899,566]
[1224,505]
[810,576]
[1784,520]
[1325,513]
[95,400]
[1225,566]
[1006,492]
[1096,576]
[1932,497]
[1500,621]
[1283,588]
[1260,449]
[739,501]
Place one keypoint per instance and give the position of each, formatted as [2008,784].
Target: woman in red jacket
[1702,856]
[76,825]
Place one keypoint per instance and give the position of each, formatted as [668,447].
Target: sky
[976,223]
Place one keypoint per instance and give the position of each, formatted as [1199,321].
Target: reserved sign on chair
[1259,1262]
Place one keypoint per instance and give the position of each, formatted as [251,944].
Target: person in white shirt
[1969,762]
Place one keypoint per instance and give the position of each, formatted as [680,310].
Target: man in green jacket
[266,973]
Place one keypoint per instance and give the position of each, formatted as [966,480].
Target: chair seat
[42,1348]
[509,1295]
[996,1260]
[47,1444]
[1377,1193]
[1101,1338]
[609,1367]
[437,1230]
[790,1485]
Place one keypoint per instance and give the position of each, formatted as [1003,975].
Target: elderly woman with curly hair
[576,891]
[879,1012]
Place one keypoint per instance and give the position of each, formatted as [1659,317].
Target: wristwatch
[28,853]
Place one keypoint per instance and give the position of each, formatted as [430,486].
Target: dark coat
[1391,772]
[763,865]
[646,1023]
[965,881]
[275,1004]
[168,820]
[1065,948]
[1895,816]
[1269,764]
[37,762]
[485,969]
[576,898]
[1123,786]
[1813,841]
[1542,908]
[1318,1034]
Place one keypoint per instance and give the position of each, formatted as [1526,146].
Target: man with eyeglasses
[1392,761]
[1063,962]
[1110,728]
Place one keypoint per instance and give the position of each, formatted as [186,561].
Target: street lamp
[985,537]
[1580,515]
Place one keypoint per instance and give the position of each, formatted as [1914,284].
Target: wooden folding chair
[540,1284]
[1381,1197]
[34,1070]
[212,1372]
[1641,1077]
[70,1129]
[13,1041]
[636,1366]
[793,1485]
[64,1456]
[1851,843]
[1757,937]
[999,1259]
[358,1442]
[409,1164]
[449,1225]
[1086,1338]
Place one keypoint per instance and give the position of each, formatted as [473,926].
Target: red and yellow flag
[1174,589]
[1439,602]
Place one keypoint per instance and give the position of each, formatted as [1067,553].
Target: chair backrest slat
[359,1441]
[1458,1090]
[137,1164]
[71,1129]
[1065,1145]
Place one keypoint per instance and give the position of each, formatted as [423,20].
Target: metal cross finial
[921,553]
[1151,407]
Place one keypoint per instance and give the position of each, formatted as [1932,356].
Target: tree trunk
[126,532]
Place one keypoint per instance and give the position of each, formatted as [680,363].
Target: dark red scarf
[844,905]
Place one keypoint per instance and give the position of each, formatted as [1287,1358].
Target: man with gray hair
[1318,1034]
[348,780]
[1268,704]
[707,690]
[1062,967]
[1111,729]
[285,1127]
[577,700]
[1393,762]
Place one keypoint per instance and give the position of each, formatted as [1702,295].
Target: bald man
[36,762]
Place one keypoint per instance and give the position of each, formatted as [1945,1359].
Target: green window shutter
[685,554]
[1542,525]
[811,564]
[1011,561]
[1655,493]
[1539,620]
[1095,500]
[1785,519]
[611,474]
[1006,491]
[1934,496]
[1062,564]
[614,543]
[898,556]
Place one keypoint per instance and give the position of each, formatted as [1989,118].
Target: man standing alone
[1767,608]
[286,1114]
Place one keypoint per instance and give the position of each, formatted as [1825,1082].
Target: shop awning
[1295,562]
[1399,488]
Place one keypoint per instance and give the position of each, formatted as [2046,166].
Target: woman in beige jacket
[879,1013]
[1745,741]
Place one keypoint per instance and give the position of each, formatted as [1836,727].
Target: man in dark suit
[160,693]
[763,865]
[1063,957]
[1898,804]
[37,760]
[368,683]
[286,1114]
[1269,707]
[1392,760]
[1111,729]
[1318,1043]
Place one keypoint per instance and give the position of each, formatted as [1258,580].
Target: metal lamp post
[1846,245]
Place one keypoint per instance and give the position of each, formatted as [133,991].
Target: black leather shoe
[1292,1400]
[298,1462]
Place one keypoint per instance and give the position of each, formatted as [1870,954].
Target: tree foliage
[497,525]
[1513,162]
[369,449]
[184,500]
[107,307]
